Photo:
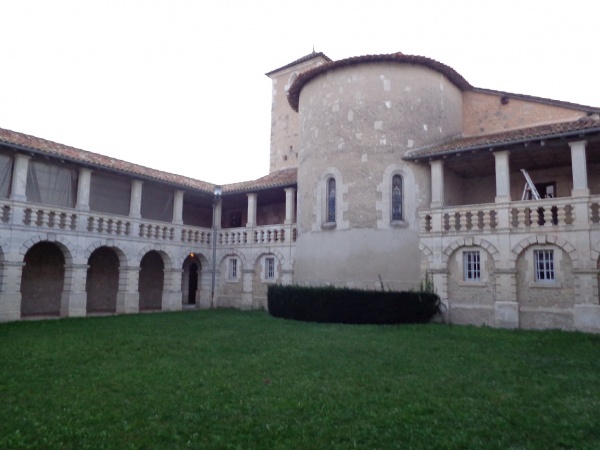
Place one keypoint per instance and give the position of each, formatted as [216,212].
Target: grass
[243,380]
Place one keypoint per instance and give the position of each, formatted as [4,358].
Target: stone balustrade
[75,221]
[557,213]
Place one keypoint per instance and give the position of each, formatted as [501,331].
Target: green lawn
[230,379]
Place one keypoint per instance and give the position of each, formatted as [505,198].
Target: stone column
[290,206]
[74,297]
[251,222]
[19,180]
[217,212]
[128,296]
[171,297]
[10,295]
[586,313]
[502,176]
[178,207]
[135,201]
[579,166]
[83,189]
[247,288]
[437,183]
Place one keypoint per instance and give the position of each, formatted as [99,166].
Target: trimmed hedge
[343,305]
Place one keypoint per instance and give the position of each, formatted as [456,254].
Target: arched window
[331,200]
[396,197]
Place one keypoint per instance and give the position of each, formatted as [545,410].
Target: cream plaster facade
[383,168]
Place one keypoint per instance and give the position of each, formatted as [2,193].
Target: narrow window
[397,197]
[331,200]
[471,266]
[233,269]
[270,268]
[544,265]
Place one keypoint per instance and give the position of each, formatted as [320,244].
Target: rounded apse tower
[358,200]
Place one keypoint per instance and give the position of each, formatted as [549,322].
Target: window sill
[328,225]
[398,224]
[545,284]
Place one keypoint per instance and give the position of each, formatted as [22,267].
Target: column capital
[579,143]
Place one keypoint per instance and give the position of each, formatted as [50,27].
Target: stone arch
[274,252]
[231,252]
[426,251]
[541,239]
[195,283]
[121,254]
[471,242]
[68,249]
[43,279]
[102,280]
[167,257]
[151,283]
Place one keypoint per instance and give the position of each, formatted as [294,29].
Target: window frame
[233,272]
[270,271]
[330,200]
[397,218]
[544,266]
[471,266]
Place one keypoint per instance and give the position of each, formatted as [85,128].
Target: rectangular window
[269,268]
[544,265]
[233,269]
[471,266]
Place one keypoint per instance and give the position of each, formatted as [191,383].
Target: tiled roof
[281,178]
[301,60]
[586,125]
[546,101]
[33,144]
[305,77]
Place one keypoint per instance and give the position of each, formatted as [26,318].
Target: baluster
[486,220]
[90,224]
[561,215]
[5,213]
[522,217]
[463,220]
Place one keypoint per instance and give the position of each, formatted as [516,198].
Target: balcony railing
[73,221]
[556,213]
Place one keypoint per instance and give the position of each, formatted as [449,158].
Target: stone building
[383,168]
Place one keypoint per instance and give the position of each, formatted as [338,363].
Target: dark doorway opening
[193,284]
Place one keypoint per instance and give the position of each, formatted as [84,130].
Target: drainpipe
[217,196]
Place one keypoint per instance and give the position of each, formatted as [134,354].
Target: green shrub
[343,305]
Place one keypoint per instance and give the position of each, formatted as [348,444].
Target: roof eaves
[543,100]
[498,144]
[191,184]
[300,60]
[452,75]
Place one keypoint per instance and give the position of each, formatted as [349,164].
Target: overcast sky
[179,85]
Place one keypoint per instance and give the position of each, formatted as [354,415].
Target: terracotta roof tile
[37,145]
[584,125]
[305,77]
[546,101]
[281,178]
